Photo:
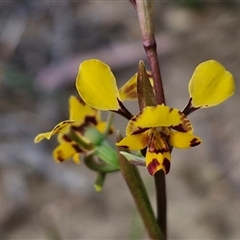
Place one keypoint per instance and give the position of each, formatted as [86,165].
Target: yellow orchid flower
[157,128]
[81,115]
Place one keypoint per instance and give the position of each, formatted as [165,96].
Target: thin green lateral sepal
[134,159]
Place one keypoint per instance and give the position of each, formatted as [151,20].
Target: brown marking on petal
[180,128]
[58,128]
[185,124]
[152,166]
[124,146]
[77,148]
[166,165]
[134,119]
[91,119]
[88,120]
[194,142]
[66,138]
[131,91]
[162,150]
[140,130]
[64,122]
[132,95]
[152,145]
[77,128]
[170,109]
[59,156]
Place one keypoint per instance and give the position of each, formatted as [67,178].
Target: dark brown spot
[134,118]
[161,150]
[152,166]
[59,156]
[77,148]
[166,165]
[66,138]
[124,146]
[194,142]
[170,110]
[180,128]
[152,146]
[185,124]
[90,119]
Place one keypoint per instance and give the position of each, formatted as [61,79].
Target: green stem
[145,13]
[139,193]
[80,140]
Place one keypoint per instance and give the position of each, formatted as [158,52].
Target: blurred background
[41,46]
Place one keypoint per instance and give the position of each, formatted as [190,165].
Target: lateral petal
[96,85]
[134,142]
[183,140]
[210,84]
[66,150]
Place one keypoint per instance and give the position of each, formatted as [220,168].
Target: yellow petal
[66,150]
[183,140]
[96,85]
[134,142]
[61,127]
[79,110]
[210,84]
[129,90]
[158,116]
